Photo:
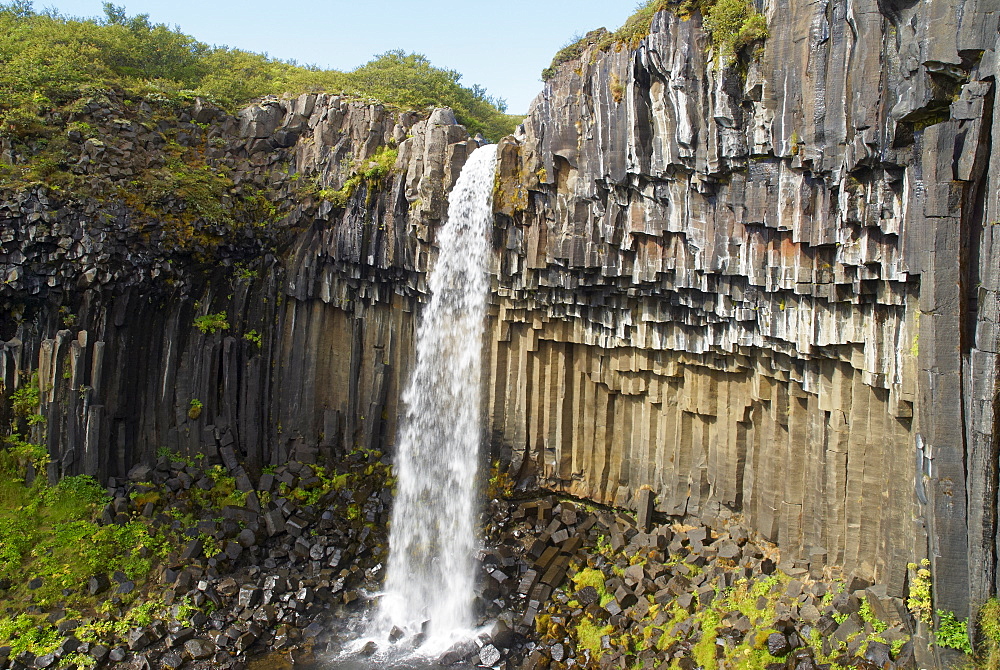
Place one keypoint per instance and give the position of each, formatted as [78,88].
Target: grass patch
[988,628]
[628,36]
[50,533]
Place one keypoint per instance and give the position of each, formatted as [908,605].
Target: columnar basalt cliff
[104,297]
[766,288]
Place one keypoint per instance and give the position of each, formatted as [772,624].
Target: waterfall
[432,536]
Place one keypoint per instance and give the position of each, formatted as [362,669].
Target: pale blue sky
[502,46]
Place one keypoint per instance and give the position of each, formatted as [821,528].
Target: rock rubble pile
[569,585]
[271,575]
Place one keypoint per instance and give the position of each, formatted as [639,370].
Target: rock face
[318,303]
[769,289]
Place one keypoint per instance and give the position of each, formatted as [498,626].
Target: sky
[502,46]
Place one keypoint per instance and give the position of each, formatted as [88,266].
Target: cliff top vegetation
[50,60]
[732,25]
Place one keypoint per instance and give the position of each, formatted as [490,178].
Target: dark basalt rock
[777,644]
[198,649]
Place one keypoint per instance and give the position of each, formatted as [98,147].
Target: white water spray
[432,537]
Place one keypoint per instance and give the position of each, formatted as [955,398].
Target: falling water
[432,536]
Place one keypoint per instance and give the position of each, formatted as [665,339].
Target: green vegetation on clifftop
[731,24]
[50,60]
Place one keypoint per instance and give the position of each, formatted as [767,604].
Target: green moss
[18,453]
[667,638]
[744,595]
[617,88]
[988,627]
[371,173]
[26,399]
[499,484]
[253,337]
[509,193]
[704,650]
[572,51]
[588,636]
[628,36]
[594,578]
[589,577]
[50,533]
[868,616]
[30,633]
[222,493]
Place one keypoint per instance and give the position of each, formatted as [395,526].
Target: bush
[50,60]
[211,323]
[952,632]
[733,24]
[409,81]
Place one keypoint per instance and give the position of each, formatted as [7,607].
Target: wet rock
[139,639]
[199,648]
[777,644]
[878,653]
[249,596]
[172,660]
[179,637]
[45,661]
[588,595]
[247,640]
[846,603]
[644,504]
[274,521]
[99,652]
[850,627]
[192,550]
[140,473]
[489,655]
[67,626]
[246,538]
[730,551]
[826,625]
